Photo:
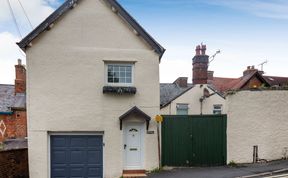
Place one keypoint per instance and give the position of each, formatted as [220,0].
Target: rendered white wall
[257,118]
[191,98]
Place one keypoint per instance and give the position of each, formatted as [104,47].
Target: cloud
[36,10]
[9,53]
[277,9]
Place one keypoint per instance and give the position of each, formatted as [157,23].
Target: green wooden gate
[194,140]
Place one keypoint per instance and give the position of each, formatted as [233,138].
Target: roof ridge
[69,4]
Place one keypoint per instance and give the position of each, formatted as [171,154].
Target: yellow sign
[159,118]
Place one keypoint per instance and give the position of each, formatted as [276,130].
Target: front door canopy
[136,112]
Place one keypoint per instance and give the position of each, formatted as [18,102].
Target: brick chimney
[20,80]
[181,82]
[249,70]
[200,65]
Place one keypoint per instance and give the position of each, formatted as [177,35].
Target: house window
[182,109]
[119,74]
[217,109]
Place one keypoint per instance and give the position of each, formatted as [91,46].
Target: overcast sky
[247,33]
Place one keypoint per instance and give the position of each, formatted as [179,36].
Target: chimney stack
[200,65]
[20,80]
[249,70]
[181,82]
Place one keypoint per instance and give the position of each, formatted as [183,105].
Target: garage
[76,156]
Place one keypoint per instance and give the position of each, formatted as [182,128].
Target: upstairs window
[118,74]
[182,109]
[217,109]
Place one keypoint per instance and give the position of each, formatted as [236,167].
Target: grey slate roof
[68,4]
[7,97]
[9,100]
[14,144]
[171,91]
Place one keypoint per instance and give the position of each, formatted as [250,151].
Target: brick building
[13,120]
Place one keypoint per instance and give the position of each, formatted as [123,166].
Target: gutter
[6,113]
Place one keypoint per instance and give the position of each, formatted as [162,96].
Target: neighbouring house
[13,120]
[93,92]
[252,79]
[199,97]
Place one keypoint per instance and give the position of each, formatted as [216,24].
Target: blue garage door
[76,156]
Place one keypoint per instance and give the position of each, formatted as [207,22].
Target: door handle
[125,146]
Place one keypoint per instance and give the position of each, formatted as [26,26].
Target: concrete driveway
[244,170]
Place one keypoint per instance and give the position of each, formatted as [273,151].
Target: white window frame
[119,64]
[217,110]
[177,105]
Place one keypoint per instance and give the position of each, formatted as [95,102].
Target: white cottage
[93,91]
[182,98]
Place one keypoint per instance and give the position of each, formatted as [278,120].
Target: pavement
[240,171]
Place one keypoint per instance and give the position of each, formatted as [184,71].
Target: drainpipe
[201,104]
[255,154]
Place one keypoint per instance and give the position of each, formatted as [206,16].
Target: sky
[246,32]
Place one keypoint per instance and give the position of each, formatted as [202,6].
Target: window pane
[128,74]
[122,69]
[122,80]
[110,79]
[116,80]
[110,68]
[182,111]
[128,80]
[116,68]
[116,74]
[129,69]
[122,74]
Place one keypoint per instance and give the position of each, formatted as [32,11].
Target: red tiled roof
[224,84]
[275,80]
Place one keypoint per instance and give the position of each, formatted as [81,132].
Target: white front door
[133,141]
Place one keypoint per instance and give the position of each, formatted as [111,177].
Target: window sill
[119,90]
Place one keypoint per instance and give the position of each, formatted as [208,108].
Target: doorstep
[134,173]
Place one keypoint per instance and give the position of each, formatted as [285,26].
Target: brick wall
[16,125]
[14,164]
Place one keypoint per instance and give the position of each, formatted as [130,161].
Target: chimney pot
[249,70]
[203,49]
[198,48]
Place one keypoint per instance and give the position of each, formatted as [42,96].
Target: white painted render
[66,73]
[257,118]
[191,98]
